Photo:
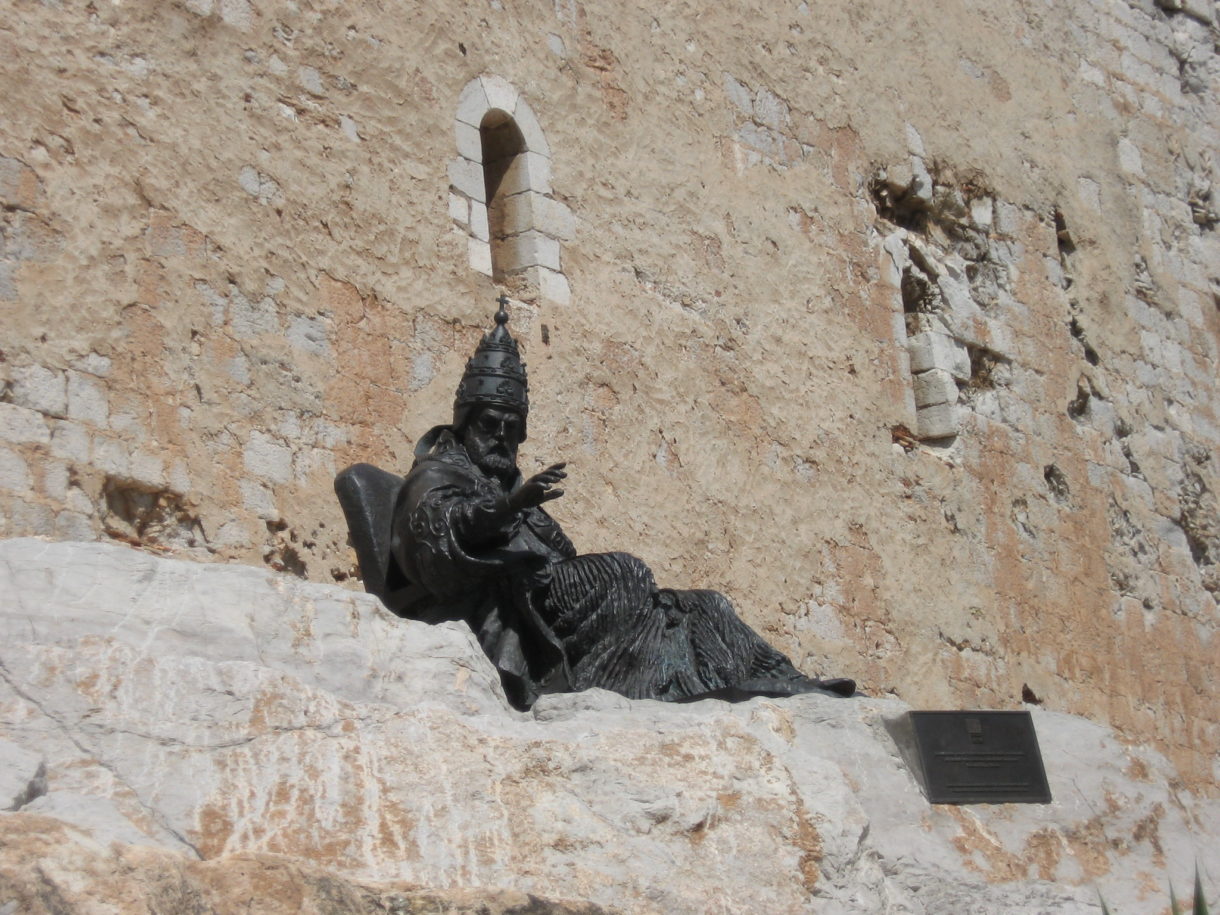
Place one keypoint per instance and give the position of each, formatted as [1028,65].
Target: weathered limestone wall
[896,322]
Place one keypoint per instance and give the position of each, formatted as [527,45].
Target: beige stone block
[459,209]
[553,218]
[501,94]
[895,258]
[310,80]
[237,13]
[518,213]
[553,286]
[1129,158]
[472,104]
[40,388]
[231,534]
[531,130]
[55,479]
[898,330]
[921,187]
[469,141]
[770,109]
[940,421]
[466,177]
[179,476]
[31,518]
[79,502]
[530,249]
[70,525]
[257,499]
[148,468]
[128,425]
[528,172]
[70,441]
[111,456]
[739,95]
[21,426]
[981,212]
[87,400]
[1008,220]
[931,350]
[479,255]
[478,221]
[14,474]
[267,458]
[935,386]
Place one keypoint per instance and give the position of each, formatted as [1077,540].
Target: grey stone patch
[30,517]
[14,472]
[268,458]
[40,388]
[739,95]
[309,335]
[73,525]
[55,478]
[252,318]
[258,185]
[422,371]
[112,456]
[93,364]
[310,80]
[257,500]
[87,400]
[21,426]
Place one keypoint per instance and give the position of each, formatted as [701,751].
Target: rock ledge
[213,730]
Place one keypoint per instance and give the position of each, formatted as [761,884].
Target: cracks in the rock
[983,647]
[326,729]
[88,752]
[167,741]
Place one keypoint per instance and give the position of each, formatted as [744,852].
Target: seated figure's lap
[621,632]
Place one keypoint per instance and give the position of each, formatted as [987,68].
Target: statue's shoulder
[441,460]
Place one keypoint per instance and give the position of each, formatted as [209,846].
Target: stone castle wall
[898,323]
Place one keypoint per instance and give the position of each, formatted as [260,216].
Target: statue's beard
[493,461]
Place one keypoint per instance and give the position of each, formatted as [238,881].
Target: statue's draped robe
[553,621]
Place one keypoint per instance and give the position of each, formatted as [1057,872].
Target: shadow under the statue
[580,621]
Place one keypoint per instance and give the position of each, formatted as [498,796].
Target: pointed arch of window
[500,189]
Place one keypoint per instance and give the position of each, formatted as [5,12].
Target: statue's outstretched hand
[537,489]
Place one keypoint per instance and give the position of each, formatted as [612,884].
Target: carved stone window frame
[539,223]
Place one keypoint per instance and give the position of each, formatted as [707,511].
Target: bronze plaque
[980,758]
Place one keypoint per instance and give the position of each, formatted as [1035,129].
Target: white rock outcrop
[230,714]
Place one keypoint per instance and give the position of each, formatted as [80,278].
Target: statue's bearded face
[491,437]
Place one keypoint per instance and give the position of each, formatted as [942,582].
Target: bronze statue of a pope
[468,539]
